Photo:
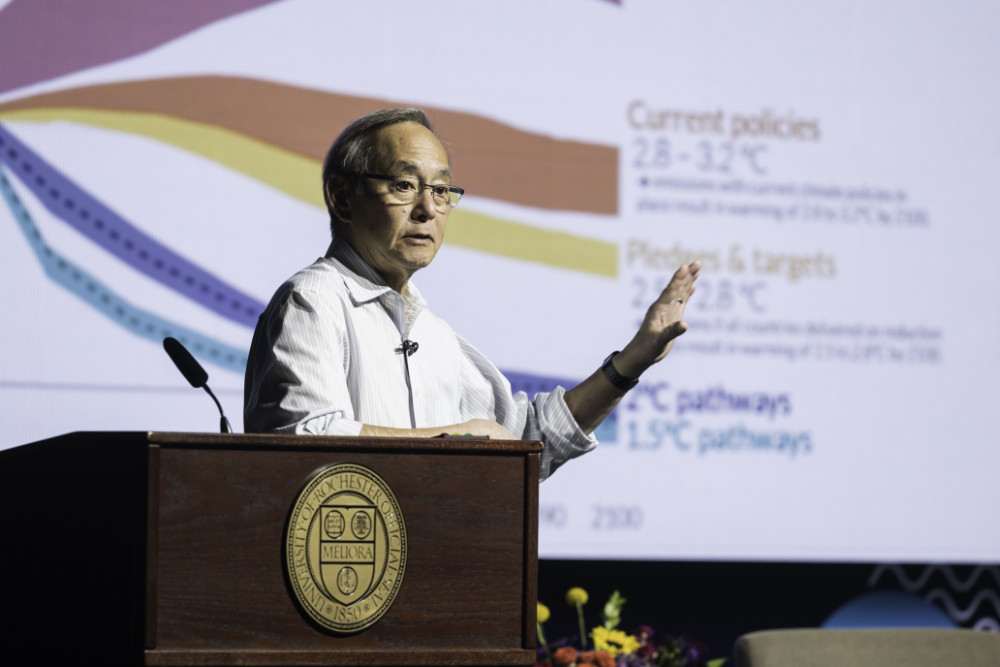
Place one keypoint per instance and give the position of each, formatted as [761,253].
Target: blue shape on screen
[888,609]
[86,214]
[138,321]
[606,433]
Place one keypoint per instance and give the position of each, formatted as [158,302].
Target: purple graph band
[84,213]
[44,39]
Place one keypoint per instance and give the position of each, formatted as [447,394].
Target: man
[348,347]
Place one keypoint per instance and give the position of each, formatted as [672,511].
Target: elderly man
[347,346]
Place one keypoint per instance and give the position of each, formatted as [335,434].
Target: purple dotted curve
[84,213]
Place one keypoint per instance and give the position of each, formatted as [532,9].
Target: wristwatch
[614,377]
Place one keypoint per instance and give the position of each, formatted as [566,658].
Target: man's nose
[424,207]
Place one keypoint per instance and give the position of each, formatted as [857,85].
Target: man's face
[397,239]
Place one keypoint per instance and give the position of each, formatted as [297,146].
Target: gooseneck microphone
[195,374]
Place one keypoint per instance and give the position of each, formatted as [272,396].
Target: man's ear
[336,190]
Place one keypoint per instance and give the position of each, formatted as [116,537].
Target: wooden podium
[167,549]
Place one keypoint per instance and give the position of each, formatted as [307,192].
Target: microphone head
[186,364]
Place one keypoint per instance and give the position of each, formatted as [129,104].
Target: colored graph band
[84,213]
[103,299]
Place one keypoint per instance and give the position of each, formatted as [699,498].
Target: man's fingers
[681,286]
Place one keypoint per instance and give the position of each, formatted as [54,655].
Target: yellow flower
[543,613]
[576,596]
[614,642]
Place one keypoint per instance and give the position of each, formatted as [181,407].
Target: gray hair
[353,151]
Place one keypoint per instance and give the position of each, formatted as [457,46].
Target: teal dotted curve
[136,320]
[110,231]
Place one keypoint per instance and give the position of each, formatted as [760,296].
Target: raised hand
[663,323]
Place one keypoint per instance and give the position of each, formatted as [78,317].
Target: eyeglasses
[404,189]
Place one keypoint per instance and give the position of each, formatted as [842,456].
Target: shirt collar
[363,282]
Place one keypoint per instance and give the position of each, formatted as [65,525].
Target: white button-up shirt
[326,358]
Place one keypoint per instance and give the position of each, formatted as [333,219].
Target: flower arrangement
[612,647]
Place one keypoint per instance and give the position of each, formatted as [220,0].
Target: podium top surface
[312,442]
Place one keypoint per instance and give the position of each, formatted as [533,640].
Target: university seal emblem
[345,548]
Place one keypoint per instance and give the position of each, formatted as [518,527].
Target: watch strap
[614,377]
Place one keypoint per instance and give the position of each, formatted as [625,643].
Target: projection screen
[834,165]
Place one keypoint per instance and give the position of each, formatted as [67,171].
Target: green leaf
[613,610]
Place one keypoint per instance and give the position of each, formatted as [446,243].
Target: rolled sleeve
[545,417]
[551,421]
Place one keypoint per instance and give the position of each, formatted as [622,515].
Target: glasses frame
[451,188]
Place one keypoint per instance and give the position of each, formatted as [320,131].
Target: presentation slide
[835,167]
